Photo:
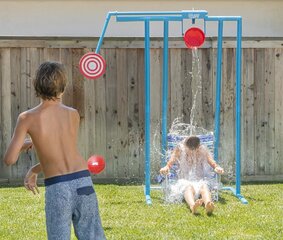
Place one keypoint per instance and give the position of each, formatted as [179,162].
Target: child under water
[192,158]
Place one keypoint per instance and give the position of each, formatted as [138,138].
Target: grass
[126,216]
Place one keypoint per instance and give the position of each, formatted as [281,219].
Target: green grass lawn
[126,216]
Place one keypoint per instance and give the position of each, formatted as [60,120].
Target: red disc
[92,65]
[96,164]
[194,37]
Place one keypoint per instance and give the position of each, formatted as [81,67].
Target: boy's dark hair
[192,142]
[50,80]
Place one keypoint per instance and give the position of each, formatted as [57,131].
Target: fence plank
[6,118]
[278,125]
[1,129]
[260,120]
[66,59]
[78,97]
[100,119]
[176,100]
[207,88]
[89,115]
[122,111]
[78,82]
[155,98]
[140,80]
[248,119]
[26,89]
[15,80]
[227,126]
[111,113]
[269,110]
[34,64]
[133,113]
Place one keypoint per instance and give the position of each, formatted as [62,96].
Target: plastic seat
[210,176]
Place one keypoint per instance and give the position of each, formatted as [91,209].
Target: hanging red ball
[96,164]
[194,37]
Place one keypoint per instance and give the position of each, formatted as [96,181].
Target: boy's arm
[16,144]
[175,155]
[30,180]
[36,169]
[213,164]
[27,144]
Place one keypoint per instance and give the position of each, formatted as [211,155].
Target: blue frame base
[148,200]
[239,196]
[147,197]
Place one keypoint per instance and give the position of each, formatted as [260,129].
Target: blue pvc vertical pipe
[147,107]
[238,105]
[164,93]
[218,89]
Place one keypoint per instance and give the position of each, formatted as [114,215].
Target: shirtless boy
[192,157]
[53,128]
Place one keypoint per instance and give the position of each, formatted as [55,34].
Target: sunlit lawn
[126,216]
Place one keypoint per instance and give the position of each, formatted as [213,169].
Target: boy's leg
[86,218]
[189,196]
[206,196]
[58,212]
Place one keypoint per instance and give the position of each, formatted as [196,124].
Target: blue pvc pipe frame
[166,17]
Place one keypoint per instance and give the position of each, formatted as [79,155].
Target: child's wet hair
[192,142]
[50,80]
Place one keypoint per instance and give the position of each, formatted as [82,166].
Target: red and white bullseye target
[92,65]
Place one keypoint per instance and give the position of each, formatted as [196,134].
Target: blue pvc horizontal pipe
[222,18]
[184,13]
[151,18]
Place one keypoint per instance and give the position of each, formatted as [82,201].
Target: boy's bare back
[53,128]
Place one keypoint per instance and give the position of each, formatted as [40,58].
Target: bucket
[194,37]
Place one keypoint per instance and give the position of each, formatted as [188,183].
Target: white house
[85,18]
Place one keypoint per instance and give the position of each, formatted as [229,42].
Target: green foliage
[125,215]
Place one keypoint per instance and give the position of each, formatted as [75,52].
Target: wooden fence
[112,107]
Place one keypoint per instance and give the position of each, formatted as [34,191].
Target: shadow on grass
[251,199]
[248,198]
[222,201]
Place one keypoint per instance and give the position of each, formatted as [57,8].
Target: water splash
[173,189]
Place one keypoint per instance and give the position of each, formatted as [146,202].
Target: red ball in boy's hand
[96,164]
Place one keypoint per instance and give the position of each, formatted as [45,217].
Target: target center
[92,65]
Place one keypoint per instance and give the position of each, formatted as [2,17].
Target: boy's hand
[27,145]
[164,170]
[30,182]
[219,170]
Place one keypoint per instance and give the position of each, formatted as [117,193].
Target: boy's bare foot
[195,207]
[209,207]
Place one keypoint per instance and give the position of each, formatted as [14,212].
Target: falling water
[197,85]
[178,128]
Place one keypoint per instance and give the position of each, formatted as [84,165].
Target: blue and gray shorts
[71,198]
